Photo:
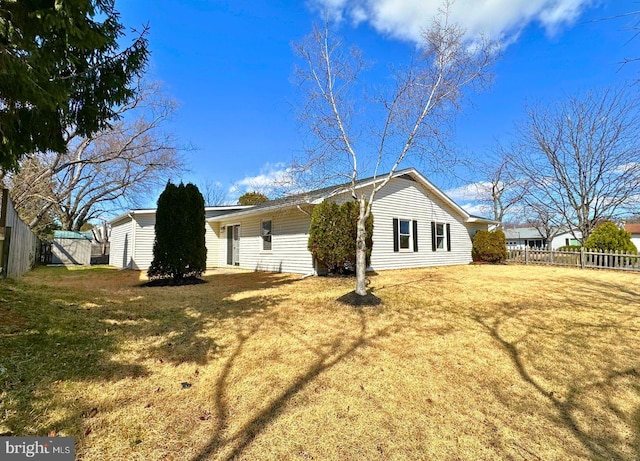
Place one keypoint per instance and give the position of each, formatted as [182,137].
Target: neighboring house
[634,229]
[566,238]
[70,247]
[415,225]
[520,237]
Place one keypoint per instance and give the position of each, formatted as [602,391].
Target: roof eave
[253,211]
[478,219]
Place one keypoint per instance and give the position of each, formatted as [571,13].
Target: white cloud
[498,19]
[473,191]
[272,180]
[477,209]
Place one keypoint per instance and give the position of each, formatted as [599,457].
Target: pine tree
[62,66]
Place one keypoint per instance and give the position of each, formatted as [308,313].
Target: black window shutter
[433,236]
[396,243]
[415,235]
[448,237]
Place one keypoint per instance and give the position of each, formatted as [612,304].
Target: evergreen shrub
[569,248]
[489,246]
[179,249]
[609,237]
[332,236]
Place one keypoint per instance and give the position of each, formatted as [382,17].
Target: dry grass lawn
[468,362]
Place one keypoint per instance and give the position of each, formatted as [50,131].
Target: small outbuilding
[70,248]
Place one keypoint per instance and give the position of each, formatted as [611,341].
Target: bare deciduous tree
[409,116]
[100,173]
[500,189]
[544,220]
[213,192]
[580,157]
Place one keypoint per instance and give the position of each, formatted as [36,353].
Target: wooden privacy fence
[19,246]
[577,258]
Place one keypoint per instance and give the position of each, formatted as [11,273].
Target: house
[133,233]
[634,229]
[415,225]
[566,238]
[520,237]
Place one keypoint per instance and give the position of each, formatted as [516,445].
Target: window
[440,236]
[405,235]
[266,235]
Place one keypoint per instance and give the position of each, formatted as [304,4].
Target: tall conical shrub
[179,249]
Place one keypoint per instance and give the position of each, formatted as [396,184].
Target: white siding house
[242,243]
[634,230]
[520,237]
[133,233]
[415,225]
[566,239]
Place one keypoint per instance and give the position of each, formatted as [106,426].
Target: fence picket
[597,259]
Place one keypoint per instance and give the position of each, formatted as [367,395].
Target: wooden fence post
[6,245]
[582,256]
[526,254]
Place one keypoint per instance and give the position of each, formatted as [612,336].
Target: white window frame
[441,238]
[263,235]
[409,248]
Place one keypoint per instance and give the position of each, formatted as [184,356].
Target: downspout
[133,240]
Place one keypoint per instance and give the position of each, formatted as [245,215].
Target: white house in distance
[520,237]
[634,230]
[415,225]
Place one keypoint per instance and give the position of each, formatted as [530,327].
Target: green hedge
[332,236]
[609,237]
[569,248]
[489,247]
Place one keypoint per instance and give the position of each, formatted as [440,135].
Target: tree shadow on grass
[235,444]
[58,340]
[59,334]
[186,334]
[583,405]
[589,286]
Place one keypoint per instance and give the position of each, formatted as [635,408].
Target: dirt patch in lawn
[10,321]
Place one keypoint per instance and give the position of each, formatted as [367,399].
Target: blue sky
[230,64]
